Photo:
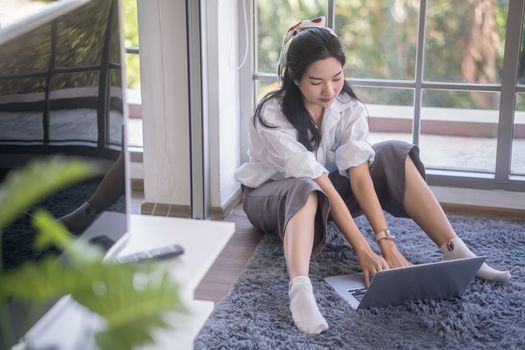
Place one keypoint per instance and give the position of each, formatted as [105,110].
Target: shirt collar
[341,103]
[332,114]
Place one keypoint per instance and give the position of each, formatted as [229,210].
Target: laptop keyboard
[358,293]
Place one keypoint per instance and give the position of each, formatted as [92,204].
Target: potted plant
[131,299]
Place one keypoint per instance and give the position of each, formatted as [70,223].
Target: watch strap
[384,234]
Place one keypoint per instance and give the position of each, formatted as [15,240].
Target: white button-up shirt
[275,153]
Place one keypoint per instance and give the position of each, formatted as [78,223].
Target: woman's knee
[390,157]
[303,186]
[307,189]
[388,150]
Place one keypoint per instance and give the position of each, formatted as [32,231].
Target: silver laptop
[439,280]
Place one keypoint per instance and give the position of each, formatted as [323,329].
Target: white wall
[163,49]
[223,98]
[164,80]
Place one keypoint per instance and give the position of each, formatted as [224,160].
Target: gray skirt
[270,206]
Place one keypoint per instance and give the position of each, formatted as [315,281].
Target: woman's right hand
[371,263]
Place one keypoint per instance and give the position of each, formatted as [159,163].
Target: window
[131,41]
[438,73]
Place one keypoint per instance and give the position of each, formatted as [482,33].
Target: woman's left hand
[393,257]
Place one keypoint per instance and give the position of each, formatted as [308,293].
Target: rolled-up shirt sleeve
[288,155]
[354,148]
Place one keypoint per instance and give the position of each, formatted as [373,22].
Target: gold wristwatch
[384,234]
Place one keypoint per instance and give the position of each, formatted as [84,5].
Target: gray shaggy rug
[255,314]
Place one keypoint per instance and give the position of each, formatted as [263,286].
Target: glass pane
[116,120]
[134,134]
[379,37]
[518,143]
[78,89]
[465,40]
[521,70]
[133,71]
[115,106]
[32,50]
[11,129]
[264,87]
[390,112]
[80,38]
[459,129]
[21,86]
[73,80]
[114,50]
[115,78]
[274,17]
[130,19]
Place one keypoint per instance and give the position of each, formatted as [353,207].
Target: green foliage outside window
[131,39]
[274,17]
[464,42]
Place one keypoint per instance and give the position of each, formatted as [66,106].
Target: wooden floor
[232,260]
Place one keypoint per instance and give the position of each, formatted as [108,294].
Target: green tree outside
[131,39]
[464,43]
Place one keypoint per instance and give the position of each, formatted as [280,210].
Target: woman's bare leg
[422,206]
[426,211]
[298,242]
[299,238]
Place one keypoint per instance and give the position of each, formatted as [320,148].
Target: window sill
[481,202]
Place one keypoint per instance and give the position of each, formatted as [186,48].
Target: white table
[202,240]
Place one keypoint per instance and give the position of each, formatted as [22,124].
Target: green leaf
[132,299]
[25,187]
[39,282]
[51,232]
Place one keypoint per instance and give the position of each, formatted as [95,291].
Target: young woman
[309,158]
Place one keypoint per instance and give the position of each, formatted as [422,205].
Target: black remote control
[161,253]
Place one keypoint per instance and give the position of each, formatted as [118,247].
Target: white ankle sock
[304,309]
[456,249]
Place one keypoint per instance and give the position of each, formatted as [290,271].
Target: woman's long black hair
[307,47]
